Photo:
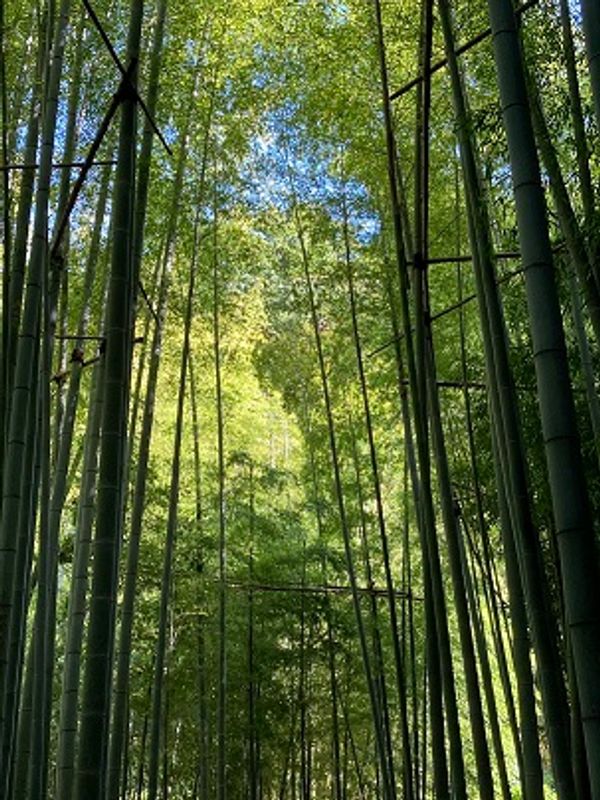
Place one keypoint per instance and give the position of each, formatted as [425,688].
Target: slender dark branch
[465,259]
[95,146]
[148,303]
[469,298]
[308,589]
[119,64]
[438,65]
[75,338]
[454,307]
[104,36]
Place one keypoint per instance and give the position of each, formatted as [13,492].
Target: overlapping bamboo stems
[374,618]
[591,28]
[37,271]
[389,581]
[575,240]
[428,380]
[18,242]
[20,421]
[157,711]
[572,517]
[436,613]
[52,491]
[473,600]
[121,680]
[433,675]
[45,620]
[388,786]
[472,597]
[329,621]
[76,609]
[419,367]
[585,357]
[47,553]
[221,787]
[202,777]
[95,711]
[513,478]
[489,589]
[587,191]
[76,606]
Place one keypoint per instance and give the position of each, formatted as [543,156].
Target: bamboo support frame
[124,72]
[463,48]
[60,165]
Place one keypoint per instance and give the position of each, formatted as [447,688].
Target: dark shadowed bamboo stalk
[436,617]
[121,681]
[28,346]
[587,365]
[16,731]
[67,736]
[577,120]
[574,530]
[432,659]
[93,743]
[511,471]
[591,28]
[571,230]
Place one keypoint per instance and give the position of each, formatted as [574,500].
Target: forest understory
[299,400]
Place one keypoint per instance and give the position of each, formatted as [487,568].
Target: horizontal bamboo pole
[438,65]
[62,165]
[325,589]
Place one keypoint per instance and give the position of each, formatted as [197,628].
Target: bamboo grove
[299,411]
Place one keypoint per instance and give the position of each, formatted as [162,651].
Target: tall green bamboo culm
[93,742]
[28,347]
[574,530]
[436,615]
[389,581]
[389,789]
[504,414]
[121,682]
[591,28]
[158,713]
